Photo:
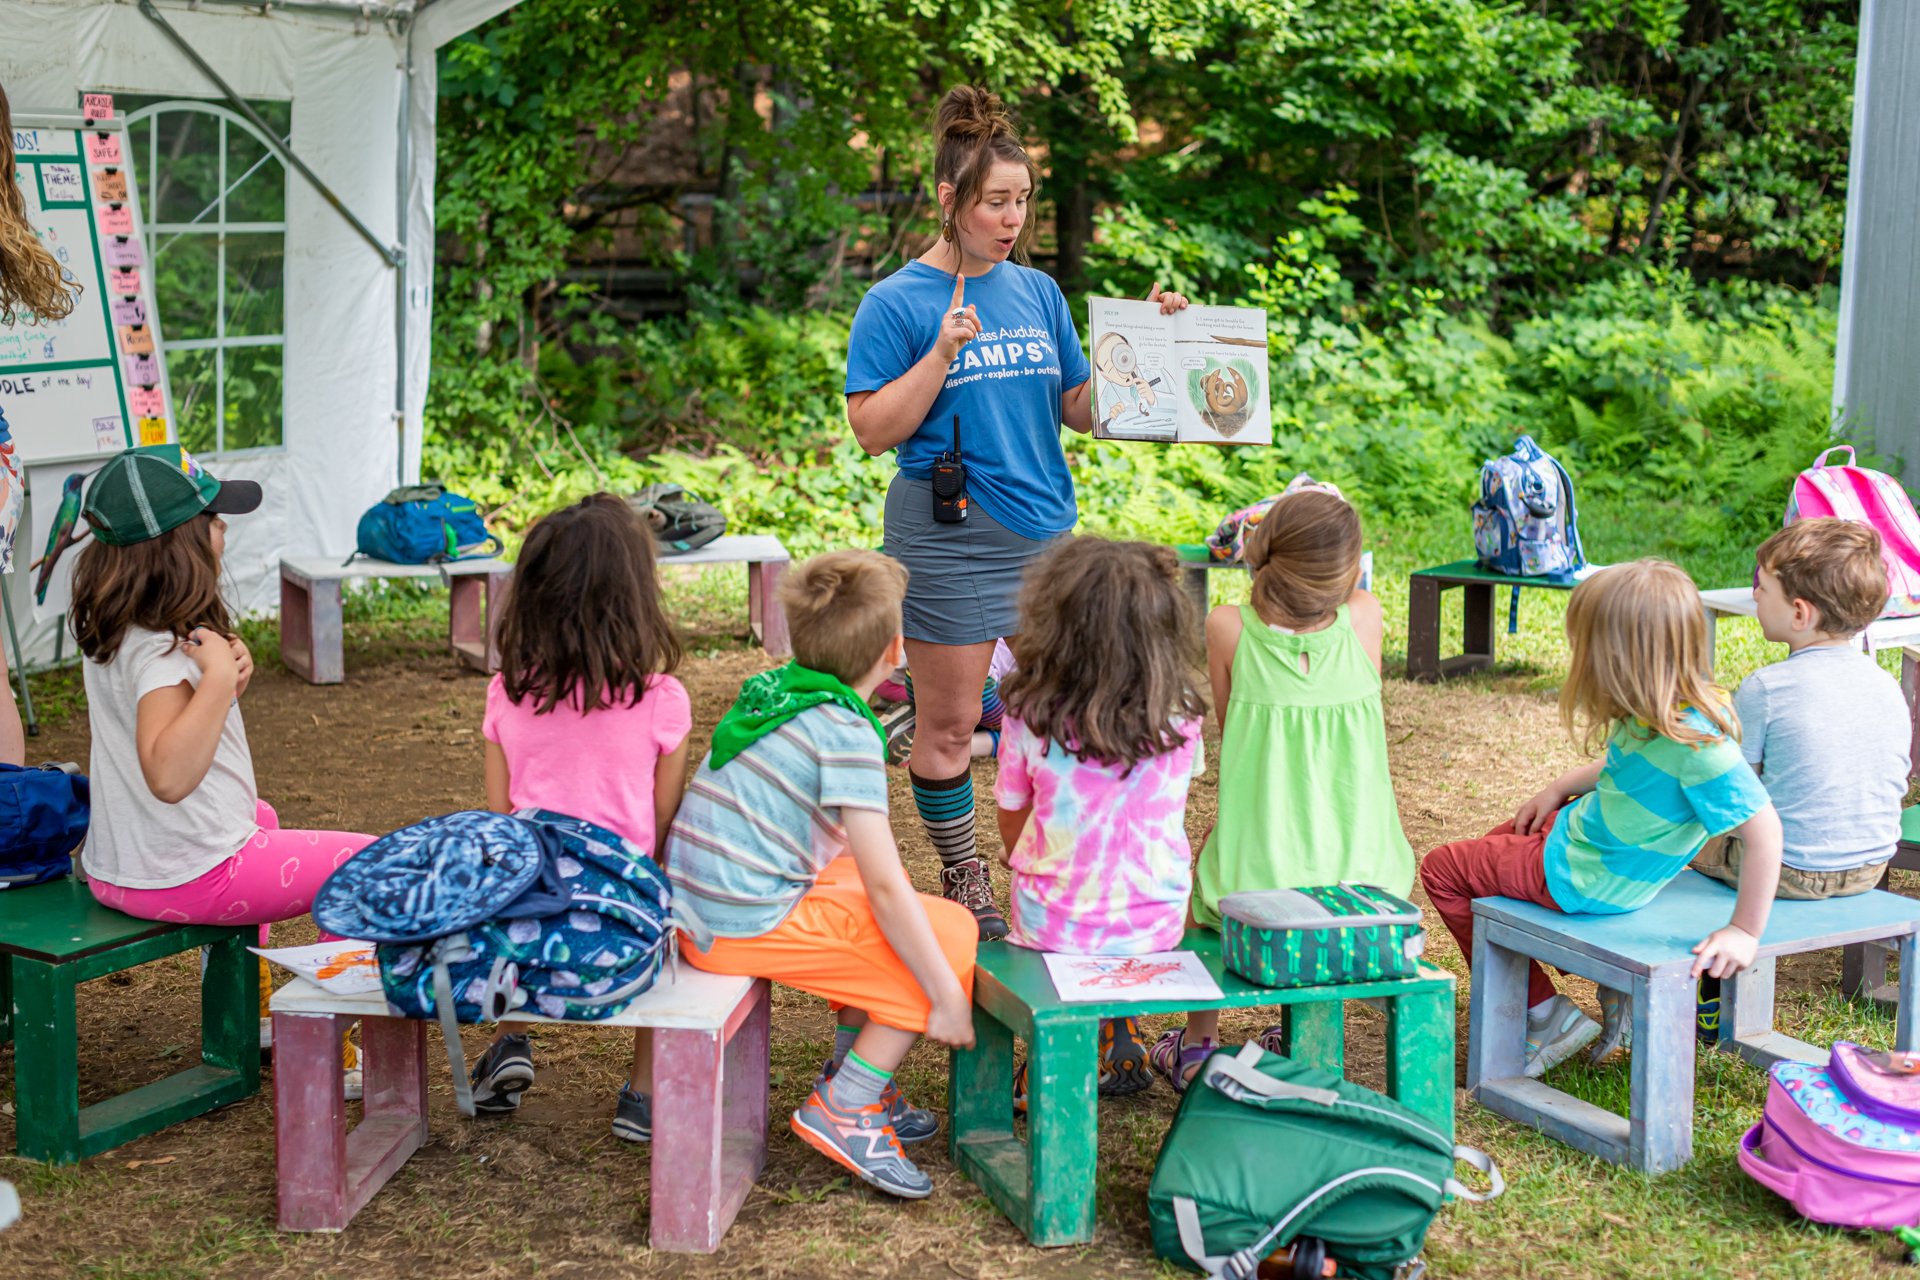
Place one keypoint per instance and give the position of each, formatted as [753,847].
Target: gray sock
[843,1038]
[857,1083]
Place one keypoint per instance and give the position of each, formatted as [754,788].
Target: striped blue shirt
[751,837]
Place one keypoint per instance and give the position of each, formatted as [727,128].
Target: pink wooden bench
[311,628]
[709,1102]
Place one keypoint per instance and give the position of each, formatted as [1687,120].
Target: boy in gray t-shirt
[1827,728]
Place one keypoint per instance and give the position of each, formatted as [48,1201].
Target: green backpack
[1266,1153]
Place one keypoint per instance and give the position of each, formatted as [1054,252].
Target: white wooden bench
[766,560]
[1737,602]
[709,1101]
[311,629]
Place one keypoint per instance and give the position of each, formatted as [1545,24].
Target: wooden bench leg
[1660,1126]
[1746,1020]
[230,1010]
[1316,1034]
[1063,1129]
[1496,1012]
[764,614]
[702,1168]
[1193,578]
[46,1063]
[1420,1055]
[1423,628]
[1863,965]
[311,628]
[326,1174]
[1906,1020]
[473,603]
[980,1117]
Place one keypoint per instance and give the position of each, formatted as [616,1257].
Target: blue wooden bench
[1046,1184]
[1649,952]
[1863,967]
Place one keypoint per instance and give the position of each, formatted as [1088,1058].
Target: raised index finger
[959,292]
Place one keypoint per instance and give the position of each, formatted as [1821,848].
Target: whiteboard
[95,382]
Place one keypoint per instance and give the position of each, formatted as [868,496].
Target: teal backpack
[424,524]
[1267,1154]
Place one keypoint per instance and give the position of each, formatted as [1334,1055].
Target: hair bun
[971,114]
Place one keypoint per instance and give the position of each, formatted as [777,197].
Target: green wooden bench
[1424,589]
[53,937]
[1046,1183]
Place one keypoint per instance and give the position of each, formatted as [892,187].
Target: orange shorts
[830,945]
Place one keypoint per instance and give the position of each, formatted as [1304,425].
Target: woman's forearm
[887,418]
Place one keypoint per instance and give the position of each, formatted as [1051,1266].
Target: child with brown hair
[586,719]
[1100,740]
[783,850]
[1305,794]
[1606,837]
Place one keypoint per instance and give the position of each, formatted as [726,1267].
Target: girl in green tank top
[1305,795]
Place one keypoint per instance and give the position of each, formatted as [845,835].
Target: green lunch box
[1326,934]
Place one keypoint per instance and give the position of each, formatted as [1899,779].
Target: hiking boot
[1616,1024]
[968,884]
[1556,1035]
[898,726]
[911,1124]
[633,1118]
[862,1142]
[502,1075]
[1123,1058]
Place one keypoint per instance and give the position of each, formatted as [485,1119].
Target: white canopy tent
[361,84]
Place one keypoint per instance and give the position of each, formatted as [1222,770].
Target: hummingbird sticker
[62,535]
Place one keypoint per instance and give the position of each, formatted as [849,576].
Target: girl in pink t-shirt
[1101,738]
[584,720]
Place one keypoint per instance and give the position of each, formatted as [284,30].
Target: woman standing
[963,334]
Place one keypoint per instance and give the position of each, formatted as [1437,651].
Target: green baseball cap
[144,492]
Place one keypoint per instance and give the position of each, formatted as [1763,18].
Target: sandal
[1176,1060]
[1273,1040]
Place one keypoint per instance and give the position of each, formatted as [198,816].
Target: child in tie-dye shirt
[1101,738]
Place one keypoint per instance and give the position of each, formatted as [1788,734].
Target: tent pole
[403,181]
[391,255]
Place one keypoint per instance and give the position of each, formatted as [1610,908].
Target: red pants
[1498,864]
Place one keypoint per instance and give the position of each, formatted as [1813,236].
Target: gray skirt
[963,583]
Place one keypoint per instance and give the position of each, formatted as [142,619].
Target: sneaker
[1556,1035]
[1706,1009]
[1616,1023]
[1123,1058]
[898,725]
[911,1124]
[633,1118]
[863,1143]
[502,1075]
[968,884]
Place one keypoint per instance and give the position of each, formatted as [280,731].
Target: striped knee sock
[946,807]
[991,710]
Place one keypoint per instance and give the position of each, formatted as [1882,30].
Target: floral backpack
[1228,543]
[1869,497]
[1525,522]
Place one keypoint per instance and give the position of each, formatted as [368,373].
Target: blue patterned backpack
[476,915]
[1525,522]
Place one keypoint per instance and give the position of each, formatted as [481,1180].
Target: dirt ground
[549,1191]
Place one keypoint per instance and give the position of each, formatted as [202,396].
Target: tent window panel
[186,285]
[254,389]
[193,378]
[215,196]
[256,283]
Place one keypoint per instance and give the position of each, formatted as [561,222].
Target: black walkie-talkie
[950,483]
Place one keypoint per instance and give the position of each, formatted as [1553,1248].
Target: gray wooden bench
[1649,953]
[1863,966]
[766,560]
[311,628]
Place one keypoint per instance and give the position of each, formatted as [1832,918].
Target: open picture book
[1198,376]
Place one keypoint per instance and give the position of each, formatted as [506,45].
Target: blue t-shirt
[1006,384]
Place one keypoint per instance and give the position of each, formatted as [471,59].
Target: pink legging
[273,877]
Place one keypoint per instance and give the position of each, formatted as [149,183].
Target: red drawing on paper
[1130,972]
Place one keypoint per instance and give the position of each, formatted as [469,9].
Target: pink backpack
[1841,1143]
[1870,497]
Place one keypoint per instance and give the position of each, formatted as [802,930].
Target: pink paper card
[96,106]
[126,283]
[140,371]
[153,431]
[102,148]
[146,402]
[110,185]
[136,339]
[128,310]
[115,220]
[121,252]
